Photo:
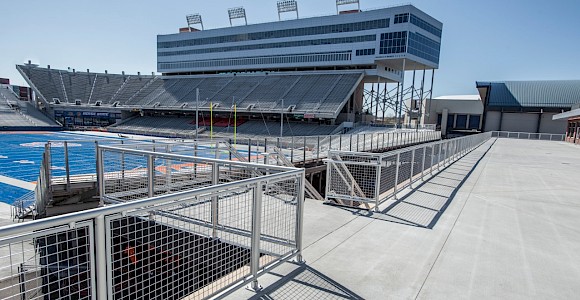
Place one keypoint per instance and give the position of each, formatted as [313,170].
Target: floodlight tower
[194,19]
[346,2]
[237,13]
[287,6]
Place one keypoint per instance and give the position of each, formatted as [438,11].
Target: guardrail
[188,244]
[529,136]
[359,179]
[306,149]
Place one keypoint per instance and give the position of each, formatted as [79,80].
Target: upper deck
[376,40]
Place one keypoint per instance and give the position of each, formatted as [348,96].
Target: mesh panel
[49,264]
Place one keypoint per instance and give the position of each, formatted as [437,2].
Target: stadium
[256,156]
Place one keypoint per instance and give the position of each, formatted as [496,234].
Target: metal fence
[528,136]
[365,180]
[306,149]
[191,244]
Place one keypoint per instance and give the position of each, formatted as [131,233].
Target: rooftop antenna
[194,19]
[346,2]
[287,6]
[237,13]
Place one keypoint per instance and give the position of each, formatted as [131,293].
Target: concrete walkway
[502,222]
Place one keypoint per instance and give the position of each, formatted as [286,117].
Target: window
[450,120]
[424,47]
[402,18]
[425,26]
[393,42]
[343,40]
[263,60]
[439,118]
[359,26]
[474,121]
[363,52]
[461,122]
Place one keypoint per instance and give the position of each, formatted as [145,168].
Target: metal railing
[529,136]
[365,180]
[306,149]
[189,244]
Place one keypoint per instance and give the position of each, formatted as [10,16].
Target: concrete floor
[502,222]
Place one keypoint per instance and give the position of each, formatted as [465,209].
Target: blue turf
[21,157]
[9,193]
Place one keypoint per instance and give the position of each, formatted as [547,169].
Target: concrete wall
[523,122]
[548,125]
[519,122]
[492,121]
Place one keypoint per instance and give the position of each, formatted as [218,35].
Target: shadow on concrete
[426,203]
[305,283]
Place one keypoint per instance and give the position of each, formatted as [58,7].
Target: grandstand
[16,114]
[320,95]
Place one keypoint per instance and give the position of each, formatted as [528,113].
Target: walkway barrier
[306,149]
[233,222]
[365,180]
[528,136]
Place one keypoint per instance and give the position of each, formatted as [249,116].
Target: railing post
[255,239]
[100,176]
[396,189]
[304,152]
[249,150]
[439,156]
[123,162]
[350,143]
[214,201]
[412,168]
[378,183]
[432,155]
[101,259]
[150,175]
[318,147]
[339,143]
[292,150]
[423,163]
[66,166]
[300,218]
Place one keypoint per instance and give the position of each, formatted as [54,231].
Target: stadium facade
[382,42]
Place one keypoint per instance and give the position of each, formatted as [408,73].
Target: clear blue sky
[482,40]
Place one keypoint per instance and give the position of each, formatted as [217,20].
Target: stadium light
[237,13]
[194,19]
[287,6]
[346,2]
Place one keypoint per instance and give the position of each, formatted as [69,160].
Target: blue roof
[556,93]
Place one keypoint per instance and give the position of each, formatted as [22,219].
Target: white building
[455,113]
[382,42]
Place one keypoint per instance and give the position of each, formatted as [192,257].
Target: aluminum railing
[306,149]
[190,244]
[528,135]
[365,180]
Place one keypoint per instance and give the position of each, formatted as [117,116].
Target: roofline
[567,115]
[290,21]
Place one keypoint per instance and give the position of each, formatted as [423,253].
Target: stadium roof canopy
[538,94]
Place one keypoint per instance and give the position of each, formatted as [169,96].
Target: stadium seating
[324,92]
[163,126]
[16,113]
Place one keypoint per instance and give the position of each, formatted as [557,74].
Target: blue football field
[21,157]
